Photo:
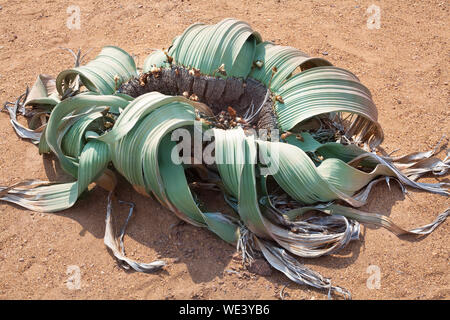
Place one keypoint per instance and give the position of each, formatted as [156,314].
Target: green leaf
[231,43]
[327,91]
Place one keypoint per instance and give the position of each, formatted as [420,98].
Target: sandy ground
[404,64]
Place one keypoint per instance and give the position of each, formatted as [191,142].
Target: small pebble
[21,260]
[325,53]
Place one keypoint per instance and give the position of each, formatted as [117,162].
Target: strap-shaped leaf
[63,109]
[284,59]
[43,92]
[231,43]
[309,243]
[52,197]
[112,67]
[333,178]
[73,141]
[157,58]
[230,157]
[181,197]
